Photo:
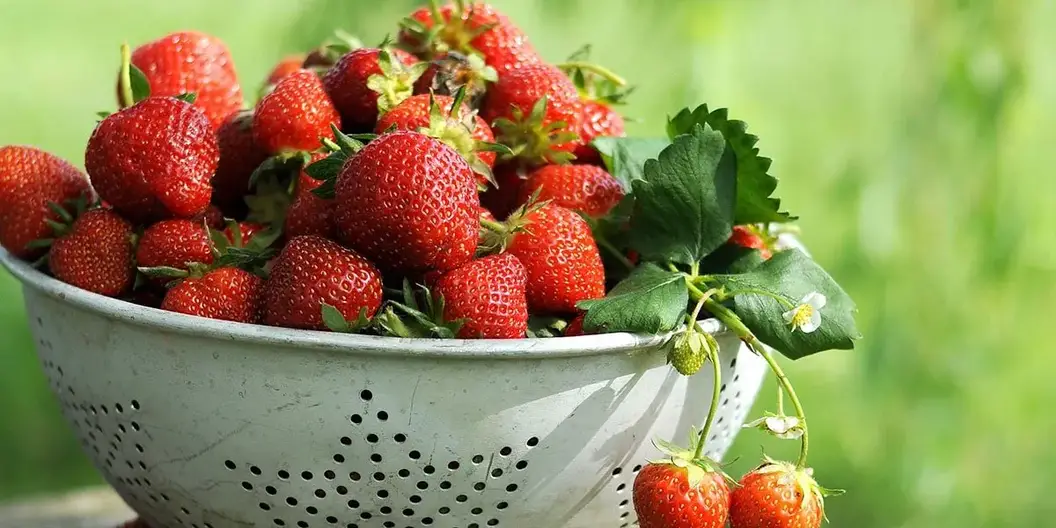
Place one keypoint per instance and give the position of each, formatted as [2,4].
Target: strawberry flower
[784,427]
[806,317]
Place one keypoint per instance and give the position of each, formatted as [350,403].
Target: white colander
[206,424]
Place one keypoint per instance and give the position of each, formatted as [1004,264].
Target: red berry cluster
[465,166]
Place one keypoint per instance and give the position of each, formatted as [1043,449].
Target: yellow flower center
[802,316]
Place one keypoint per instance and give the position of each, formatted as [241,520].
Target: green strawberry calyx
[698,466]
[423,315]
[229,250]
[455,129]
[395,83]
[455,70]
[446,34]
[495,236]
[533,141]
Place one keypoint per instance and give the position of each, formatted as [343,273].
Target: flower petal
[790,315]
[815,300]
[813,323]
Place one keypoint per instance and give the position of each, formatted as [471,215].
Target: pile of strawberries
[358,170]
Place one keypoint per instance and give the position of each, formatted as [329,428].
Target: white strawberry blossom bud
[807,316]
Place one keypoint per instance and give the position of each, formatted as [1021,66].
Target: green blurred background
[909,135]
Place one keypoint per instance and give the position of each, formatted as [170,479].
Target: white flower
[784,427]
[807,316]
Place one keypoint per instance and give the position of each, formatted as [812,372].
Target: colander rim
[173,323]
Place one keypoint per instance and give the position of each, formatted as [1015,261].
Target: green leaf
[625,157]
[103,114]
[754,185]
[140,84]
[651,301]
[684,207]
[328,167]
[188,97]
[336,322]
[327,190]
[791,275]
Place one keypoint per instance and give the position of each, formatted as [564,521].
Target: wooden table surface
[92,508]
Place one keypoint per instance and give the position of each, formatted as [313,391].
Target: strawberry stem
[716,393]
[616,253]
[601,71]
[127,98]
[730,319]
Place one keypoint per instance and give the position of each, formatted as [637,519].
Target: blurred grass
[911,136]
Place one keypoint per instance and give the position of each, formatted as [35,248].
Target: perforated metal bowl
[206,424]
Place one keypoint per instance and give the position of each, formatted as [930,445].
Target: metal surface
[207,424]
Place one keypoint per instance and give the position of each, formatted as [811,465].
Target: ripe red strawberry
[748,237]
[476,28]
[227,294]
[213,217]
[561,258]
[408,203]
[522,88]
[95,254]
[312,271]
[309,214]
[29,179]
[777,495]
[683,495]
[536,111]
[240,155]
[489,295]
[366,82]
[466,132]
[575,326]
[192,62]
[585,188]
[597,120]
[285,67]
[296,115]
[154,160]
[505,196]
[246,230]
[174,244]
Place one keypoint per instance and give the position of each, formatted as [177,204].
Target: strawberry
[192,62]
[585,188]
[749,237]
[296,115]
[452,71]
[559,254]
[777,495]
[575,326]
[288,65]
[174,244]
[154,160]
[597,119]
[226,293]
[240,155]
[95,254]
[370,81]
[465,131]
[30,179]
[408,203]
[312,271]
[536,111]
[522,88]
[677,493]
[476,28]
[245,233]
[504,197]
[212,217]
[308,214]
[488,295]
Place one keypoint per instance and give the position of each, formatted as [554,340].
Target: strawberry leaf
[540,326]
[754,185]
[731,258]
[790,275]
[625,157]
[651,300]
[685,205]
[140,84]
